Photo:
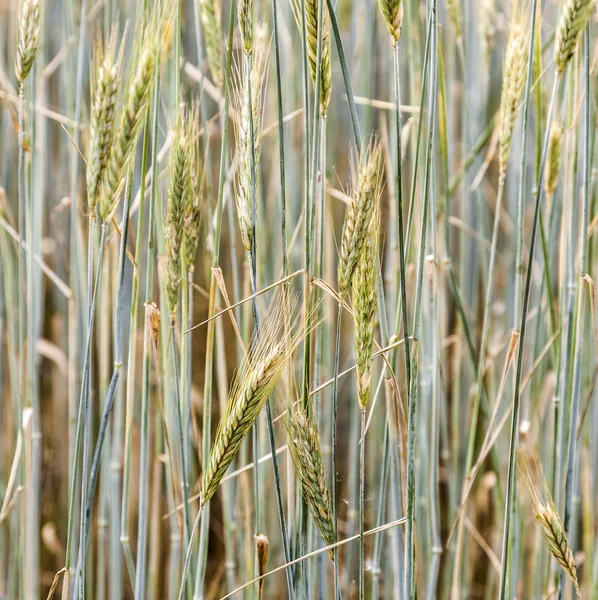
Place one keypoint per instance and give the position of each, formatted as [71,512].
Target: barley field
[297,299]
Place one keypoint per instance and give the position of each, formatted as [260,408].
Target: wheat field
[297,299]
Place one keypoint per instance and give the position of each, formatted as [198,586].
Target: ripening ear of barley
[553,163]
[210,15]
[179,192]
[133,111]
[29,33]
[574,17]
[514,73]
[194,199]
[359,214]
[304,447]
[312,22]
[104,91]
[550,524]
[247,119]
[364,307]
[245,10]
[392,12]
[255,381]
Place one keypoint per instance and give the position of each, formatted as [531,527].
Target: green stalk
[362,505]
[131,362]
[583,270]
[209,360]
[86,413]
[410,558]
[140,578]
[95,465]
[520,352]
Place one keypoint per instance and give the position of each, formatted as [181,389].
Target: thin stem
[410,558]
[520,352]
[361,506]
[210,333]
[86,418]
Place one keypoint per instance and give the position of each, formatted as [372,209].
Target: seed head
[553,165]
[104,94]
[575,16]
[210,15]
[253,384]
[359,214]
[193,204]
[178,197]
[551,526]
[304,447]
[514,72]
[29,34]
[245,14]
[392,11]
[312,21]
[364,308]
[248,115]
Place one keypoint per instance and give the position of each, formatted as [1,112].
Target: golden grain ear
[549,521]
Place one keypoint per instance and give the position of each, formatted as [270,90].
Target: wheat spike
[359,214]
[253,384]
[551,526]
[28,40]
[392,12]
[210,15]
[514,73]
[364,308]
[306,454]
[244,197]
[575,15]
[311,27]
[179,191]
[553,164]
[245,15]
[135,104]
[104,94]
[193,204]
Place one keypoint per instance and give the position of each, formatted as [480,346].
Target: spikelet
[551,526]
[304,447]
[104,93]
[553,164]
[514,73]
[572,22]
[454,10]
[210,15]
[254,383]
[245,15]
[392,12]
[28,41]
[364,308]
[179,191]
[244,197]
[133,111]
[359,214]
[311,27]
[262,546]
[193,204]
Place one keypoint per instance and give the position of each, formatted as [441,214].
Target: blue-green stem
[520,353]
[410,558]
